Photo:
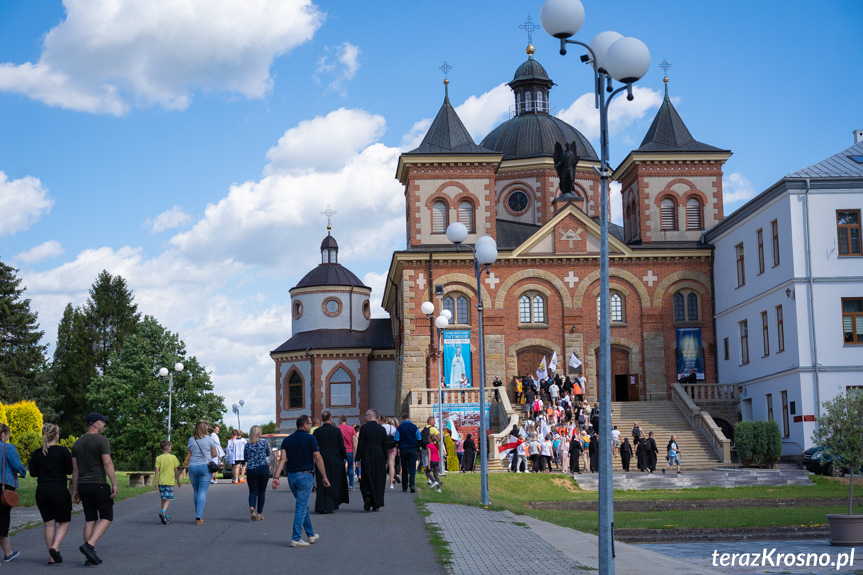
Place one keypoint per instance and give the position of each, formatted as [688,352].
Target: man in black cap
[91,463]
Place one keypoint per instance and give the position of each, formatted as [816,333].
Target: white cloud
[325,142]
[49,249]
[584,117]
[169,219]
[414,137]
[736,189]
[108,55]
[615,203]
[22,203]
[341,62]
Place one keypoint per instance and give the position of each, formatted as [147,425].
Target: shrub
[68,442]
[3,418]
[758,443]
[24,416]
[27,443]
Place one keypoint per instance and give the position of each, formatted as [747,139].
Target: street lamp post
[440,323]
[178,367]
[236,409]
[626,60]
[484,254]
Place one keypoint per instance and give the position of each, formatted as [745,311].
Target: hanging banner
[456,359]
[690,353]
[464,416]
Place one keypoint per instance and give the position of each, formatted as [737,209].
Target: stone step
[713,478]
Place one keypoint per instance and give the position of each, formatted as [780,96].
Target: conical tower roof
[447,134]
[668,133]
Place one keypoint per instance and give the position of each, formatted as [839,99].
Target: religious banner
[456,359]
[690,353]
[464,416]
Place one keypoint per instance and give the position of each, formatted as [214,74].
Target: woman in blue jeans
[257,457]
[202,448]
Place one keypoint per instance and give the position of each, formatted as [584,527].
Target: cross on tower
[445,68]
[529,27]
[665,65]
[329,213]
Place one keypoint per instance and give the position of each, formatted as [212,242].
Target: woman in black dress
[50,465]
[469,453]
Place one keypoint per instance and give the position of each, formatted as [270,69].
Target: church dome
[534,135]
[531,70]
[330,272]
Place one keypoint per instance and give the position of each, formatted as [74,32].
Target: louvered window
[668,219]
[693,214]
[465,216]
[439,218]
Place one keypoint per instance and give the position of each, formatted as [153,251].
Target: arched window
[686,305]
[540,101]
[693,214]
[668,214]
[528,101]
[294,396]
[531,308]
[449,304]
[463,309]
[465,216]
[439,217]
[616,308]
[340,384]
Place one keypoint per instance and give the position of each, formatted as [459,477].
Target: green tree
[269,427]
[22,357]
[840,431]
[73,367]
[135,400]
[110,316]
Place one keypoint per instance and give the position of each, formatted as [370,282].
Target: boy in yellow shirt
[167,476]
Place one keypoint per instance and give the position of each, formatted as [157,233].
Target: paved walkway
[502,543]
[137,543]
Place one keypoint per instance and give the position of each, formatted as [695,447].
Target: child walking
[167,476]
[434,463]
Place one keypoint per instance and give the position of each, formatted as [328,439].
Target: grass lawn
[514,492]
[27,489]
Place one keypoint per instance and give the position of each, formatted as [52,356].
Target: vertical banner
[456,359]
[690,353]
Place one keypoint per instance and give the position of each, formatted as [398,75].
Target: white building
[788,274]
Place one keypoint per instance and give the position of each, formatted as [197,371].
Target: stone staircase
[719,477]
[663,418]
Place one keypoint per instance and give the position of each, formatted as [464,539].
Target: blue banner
[456,359]
[690,352]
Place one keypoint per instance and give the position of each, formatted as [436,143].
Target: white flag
[552,366]
[542,372]
[574,362]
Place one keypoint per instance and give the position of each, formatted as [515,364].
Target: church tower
[671,186]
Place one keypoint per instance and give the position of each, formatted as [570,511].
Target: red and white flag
[505,449]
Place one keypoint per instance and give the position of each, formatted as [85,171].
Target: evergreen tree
[136,400]
[110,316]
[22,357]
[73,367]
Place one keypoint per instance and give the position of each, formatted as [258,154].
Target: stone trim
[624,275]
[532,274]
[469,282]
[677,276]
[326,311]
[297,311]
[353,403]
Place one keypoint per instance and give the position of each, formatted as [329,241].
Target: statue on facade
[565,161]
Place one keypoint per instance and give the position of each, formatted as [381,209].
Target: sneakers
[168,517]
[392,486]
[413,490]
[435,485]
[15,554]
[314,538]
[235,481]
[438,490]
[253,513]
[163,518]
[663,471]
[87,549]
[55,555]
[199,521]
[299,543]
[214,481]
[428,482]
[242,480]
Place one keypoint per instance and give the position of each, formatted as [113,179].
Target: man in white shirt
[615,441]
[237,452]
[554,392]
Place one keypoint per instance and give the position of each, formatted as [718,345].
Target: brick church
[541,295]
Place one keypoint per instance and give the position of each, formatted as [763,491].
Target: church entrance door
[528,360]
[621,390]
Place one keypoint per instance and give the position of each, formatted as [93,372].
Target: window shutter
[668,220]
[465,216]
[439,218]
[693,214]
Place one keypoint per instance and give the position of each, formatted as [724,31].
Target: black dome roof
[329,243]
[530,70]
[330,275]
[534,135]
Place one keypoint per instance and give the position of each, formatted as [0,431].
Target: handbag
[211,465]
[8,498]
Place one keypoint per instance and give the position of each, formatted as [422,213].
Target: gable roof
[591,226]
[841,165]
[447,135]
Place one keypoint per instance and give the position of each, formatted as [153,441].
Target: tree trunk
[851,491]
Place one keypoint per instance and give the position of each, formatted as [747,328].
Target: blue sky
[191,145]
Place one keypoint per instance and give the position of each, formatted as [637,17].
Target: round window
[332,306]
[518,201]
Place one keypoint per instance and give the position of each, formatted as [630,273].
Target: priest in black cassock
[372,455]
[332,446]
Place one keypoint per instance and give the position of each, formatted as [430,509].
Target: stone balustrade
[701,421]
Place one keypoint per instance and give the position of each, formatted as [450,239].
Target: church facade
[541,295]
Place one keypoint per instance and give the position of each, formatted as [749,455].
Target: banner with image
[690,353]
[456,359]
[463,416]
